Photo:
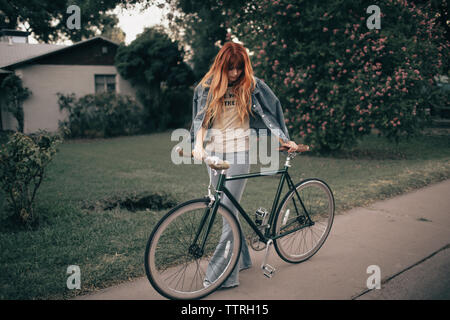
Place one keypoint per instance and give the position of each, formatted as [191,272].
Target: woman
[230,101]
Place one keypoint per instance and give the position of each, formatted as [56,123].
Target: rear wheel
[177,267]
[305,218]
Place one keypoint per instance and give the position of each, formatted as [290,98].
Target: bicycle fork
[196,249]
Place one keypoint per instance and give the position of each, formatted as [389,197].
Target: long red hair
[231,55]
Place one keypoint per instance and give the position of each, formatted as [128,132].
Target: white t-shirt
[228,133]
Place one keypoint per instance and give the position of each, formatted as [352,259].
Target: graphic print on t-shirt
[228,99]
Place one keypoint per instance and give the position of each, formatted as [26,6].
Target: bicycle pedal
[268,270]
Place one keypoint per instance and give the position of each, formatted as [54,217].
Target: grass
[108,246]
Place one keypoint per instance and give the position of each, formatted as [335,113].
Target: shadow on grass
[133,202]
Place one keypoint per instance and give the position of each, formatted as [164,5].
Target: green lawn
[108,246]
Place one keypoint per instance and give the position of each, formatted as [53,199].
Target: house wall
[41,109]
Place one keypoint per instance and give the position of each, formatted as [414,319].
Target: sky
[133,21]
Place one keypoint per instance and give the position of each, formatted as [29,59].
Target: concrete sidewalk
[395,235]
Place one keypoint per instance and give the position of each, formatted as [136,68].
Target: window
[105,83]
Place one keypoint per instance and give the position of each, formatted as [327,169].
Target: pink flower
[325,29]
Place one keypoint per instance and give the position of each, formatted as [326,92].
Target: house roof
[20,53]
[12,32]
[11,53]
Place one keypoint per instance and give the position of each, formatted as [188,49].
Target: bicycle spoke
[179,267]
[305,233]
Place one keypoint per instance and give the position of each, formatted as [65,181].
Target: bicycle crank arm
[268,270]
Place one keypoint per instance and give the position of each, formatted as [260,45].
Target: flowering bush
[337,79]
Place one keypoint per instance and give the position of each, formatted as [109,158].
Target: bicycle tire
[302,244]
[168,251]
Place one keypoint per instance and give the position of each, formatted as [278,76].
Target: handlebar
[218,164]
[213,162]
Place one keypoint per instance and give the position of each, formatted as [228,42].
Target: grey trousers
[239,164]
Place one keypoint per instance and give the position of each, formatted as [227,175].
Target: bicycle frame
[269,232]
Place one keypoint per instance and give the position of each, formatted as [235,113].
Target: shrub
[14,94]
[100,115]
[336,78]
[22,164]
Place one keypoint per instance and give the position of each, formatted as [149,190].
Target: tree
[47,18]
[202,24]
[154,65]
[113,32]
[14,95]
[336,78]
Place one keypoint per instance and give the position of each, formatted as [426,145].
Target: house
[85,67]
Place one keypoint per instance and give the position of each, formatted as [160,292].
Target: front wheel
[181,267]
[304,220]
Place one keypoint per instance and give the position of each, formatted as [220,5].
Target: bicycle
[182,243]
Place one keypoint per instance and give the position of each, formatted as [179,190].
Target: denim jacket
[267,112]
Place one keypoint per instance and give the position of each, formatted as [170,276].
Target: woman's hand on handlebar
[291,146]
[199,152]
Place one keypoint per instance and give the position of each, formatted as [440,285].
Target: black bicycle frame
[222,189]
